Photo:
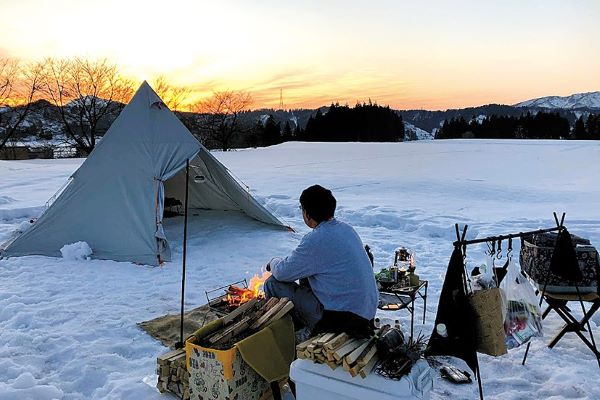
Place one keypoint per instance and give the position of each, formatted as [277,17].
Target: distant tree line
[272,132]
[19,85]
[542,125]
[74,101]
[432,120]
[366,122]
[590,129]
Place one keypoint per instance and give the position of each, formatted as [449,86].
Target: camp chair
[565,265]
[558,302]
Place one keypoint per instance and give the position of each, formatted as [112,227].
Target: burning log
[236,296]
[239,311]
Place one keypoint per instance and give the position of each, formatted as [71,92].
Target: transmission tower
[281,99]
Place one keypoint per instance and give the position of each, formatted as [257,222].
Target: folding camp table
[401,298]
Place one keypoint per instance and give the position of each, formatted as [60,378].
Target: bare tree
[173,96]
[220,121]
[19,85]
[88,95]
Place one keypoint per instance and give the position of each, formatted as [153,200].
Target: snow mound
[24,381]
[23,226]
[27,387]
[40,392]
[76,251]
[10,214]
[415,133]
[6,200]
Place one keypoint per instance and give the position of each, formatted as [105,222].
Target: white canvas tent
[115,200]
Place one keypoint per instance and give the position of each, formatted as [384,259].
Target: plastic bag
[523,315]
[482,277]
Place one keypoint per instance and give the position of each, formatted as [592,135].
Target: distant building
[14,153]
[24,152]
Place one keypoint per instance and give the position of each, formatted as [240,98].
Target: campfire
[236,296]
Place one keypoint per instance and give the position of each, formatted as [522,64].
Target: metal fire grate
[216,298]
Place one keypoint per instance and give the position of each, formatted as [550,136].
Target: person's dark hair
[318,203]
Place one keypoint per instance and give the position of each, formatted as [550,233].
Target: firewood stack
[172,374]
[356,356]
[247,319]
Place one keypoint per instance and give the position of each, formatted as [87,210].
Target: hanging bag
[488,309]
[523,315]
[489,325]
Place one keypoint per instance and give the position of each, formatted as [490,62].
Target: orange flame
[256,283]
[237,296]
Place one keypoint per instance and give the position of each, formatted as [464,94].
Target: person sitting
[337,290]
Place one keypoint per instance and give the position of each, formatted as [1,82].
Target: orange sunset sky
[408,54]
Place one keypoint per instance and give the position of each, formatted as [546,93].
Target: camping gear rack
[461,243]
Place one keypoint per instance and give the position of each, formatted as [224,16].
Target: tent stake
[185,220]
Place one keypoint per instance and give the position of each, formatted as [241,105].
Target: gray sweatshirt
[336,264]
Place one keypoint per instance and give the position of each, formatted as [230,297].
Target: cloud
[309,87]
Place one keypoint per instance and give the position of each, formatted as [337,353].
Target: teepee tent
[115,200]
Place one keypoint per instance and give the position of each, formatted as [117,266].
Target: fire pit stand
[216,298]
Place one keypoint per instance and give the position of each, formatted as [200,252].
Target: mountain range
[588,100]
[43,122]
[570,107]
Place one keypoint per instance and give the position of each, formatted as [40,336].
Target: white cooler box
[318,381]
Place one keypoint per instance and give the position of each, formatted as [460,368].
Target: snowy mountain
[44,122]
[412,132]
[88,101]
[574,101]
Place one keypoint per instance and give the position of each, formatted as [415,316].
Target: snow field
[68,328]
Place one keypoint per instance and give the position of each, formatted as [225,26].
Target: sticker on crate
[223,374]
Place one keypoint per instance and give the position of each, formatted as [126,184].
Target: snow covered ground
[68,328]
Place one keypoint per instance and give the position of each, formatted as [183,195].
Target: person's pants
[308,310]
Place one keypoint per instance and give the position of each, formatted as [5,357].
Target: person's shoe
[303,334]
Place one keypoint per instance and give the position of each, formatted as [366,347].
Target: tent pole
[185,220]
